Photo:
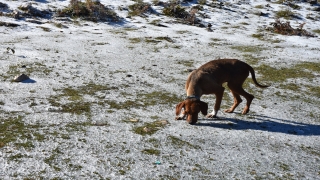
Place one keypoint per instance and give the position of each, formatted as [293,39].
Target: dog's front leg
[219,94]
[213,114]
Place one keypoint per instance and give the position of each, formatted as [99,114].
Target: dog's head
[191,109]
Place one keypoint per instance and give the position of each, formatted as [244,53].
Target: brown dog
[208,79]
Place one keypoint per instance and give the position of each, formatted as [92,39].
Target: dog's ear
[179,107]
[203,108]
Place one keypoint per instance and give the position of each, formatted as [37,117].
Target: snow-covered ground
[100,101]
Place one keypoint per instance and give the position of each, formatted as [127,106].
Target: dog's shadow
[262,123]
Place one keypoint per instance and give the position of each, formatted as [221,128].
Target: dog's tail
[253,75]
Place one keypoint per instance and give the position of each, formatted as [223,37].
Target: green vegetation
[151,152]
[258,36]
[139,8]
[284,167]
[35,68]
[248,49]
[77,104]
[146,100]
[215,42]
[175,11]
[286,14]
[285,28]
[260,6]
[149,128]
[13,128]
[89,10]
[202,2]
[316,31]
[302,70]
[152,39]
[187,63]
[178,143]
[251,60]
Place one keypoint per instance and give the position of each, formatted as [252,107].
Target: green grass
[78,105]
[175,11]
[135,40]
[145,100]
[138,8]
[151,152]
[316,31]
[215,42]
[248,49]
[251,59]
[187,63]
[303,70]
[178,143]
[89,10]
[260,6]
[183,32]
[258,36]
[35,68]
[14,128]
[148,128]
[286,14]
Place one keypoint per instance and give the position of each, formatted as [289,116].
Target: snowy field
[100,101]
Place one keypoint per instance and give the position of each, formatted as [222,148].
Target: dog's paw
[211,116]
[245,110]
[228,110]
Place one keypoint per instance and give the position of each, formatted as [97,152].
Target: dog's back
[223,70]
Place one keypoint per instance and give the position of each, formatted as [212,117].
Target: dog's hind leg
[237,88]
[237,101]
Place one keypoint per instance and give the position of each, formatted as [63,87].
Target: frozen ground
[101,99]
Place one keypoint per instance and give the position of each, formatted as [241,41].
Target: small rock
[162,122]
[20,78]
[189,70]
[146,129]
[16,14]
[134,120]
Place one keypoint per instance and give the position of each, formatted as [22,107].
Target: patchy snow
[136,70]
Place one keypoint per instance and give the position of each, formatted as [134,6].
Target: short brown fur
[208,79]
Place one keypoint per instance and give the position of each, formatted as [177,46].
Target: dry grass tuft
[89,10]
[140,8]
[285,28]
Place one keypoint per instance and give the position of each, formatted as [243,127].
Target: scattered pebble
[163,122]
[146,129]
[134,120]
[188,70]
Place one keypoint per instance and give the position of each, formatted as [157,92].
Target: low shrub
[139,8]
[286,14]
[176,11]
[285,28]
[89,10]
